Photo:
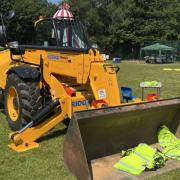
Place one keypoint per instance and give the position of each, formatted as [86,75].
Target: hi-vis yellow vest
[169,143]
[138,159]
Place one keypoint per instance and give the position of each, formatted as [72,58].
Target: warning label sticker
[102,93]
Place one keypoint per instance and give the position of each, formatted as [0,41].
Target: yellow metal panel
[59,62]
[104,84]
[57,91]
[5,65]
[80,103]
[26,140]
[33,55]
[68,65]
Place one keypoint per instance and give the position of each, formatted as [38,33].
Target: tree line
[117,26]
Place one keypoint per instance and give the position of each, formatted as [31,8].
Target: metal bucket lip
[125,108]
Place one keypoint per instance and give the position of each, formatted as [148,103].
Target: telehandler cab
[60,77]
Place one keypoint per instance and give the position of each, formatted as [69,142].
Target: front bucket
[95,138]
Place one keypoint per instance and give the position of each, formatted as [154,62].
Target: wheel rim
[13,104]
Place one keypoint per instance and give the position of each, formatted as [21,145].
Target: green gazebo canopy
[157,47]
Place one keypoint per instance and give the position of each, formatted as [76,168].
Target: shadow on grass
[53,134]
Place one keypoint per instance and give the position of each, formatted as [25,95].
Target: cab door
[71,50]
[45,38]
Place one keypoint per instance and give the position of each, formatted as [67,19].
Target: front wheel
[22,101]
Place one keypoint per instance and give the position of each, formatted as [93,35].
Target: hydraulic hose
[40,116]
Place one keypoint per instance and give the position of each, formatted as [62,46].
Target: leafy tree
[27,12]
[128,24]
[117,26]
[135,22]
[94,19]
[5,6]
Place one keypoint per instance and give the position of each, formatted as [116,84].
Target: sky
[54,1]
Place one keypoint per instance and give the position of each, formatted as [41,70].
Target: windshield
[71,33]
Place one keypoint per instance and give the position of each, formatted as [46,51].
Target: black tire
[28,97]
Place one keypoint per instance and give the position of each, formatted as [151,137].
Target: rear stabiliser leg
[24,139]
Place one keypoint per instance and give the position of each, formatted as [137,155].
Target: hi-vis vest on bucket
[138,159]
[169,143]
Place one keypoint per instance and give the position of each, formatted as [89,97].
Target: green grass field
[46,162]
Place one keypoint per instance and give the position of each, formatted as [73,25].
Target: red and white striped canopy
[63,12]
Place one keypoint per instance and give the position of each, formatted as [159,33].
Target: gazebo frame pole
[159,52]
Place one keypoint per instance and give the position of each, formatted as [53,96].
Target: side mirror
[16,49]
[2,34]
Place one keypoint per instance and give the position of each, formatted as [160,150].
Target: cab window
[45,34]
[70,33]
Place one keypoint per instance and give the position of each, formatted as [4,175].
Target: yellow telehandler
[58,77]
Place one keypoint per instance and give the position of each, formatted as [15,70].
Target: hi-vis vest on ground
[169,143]
[138,159]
